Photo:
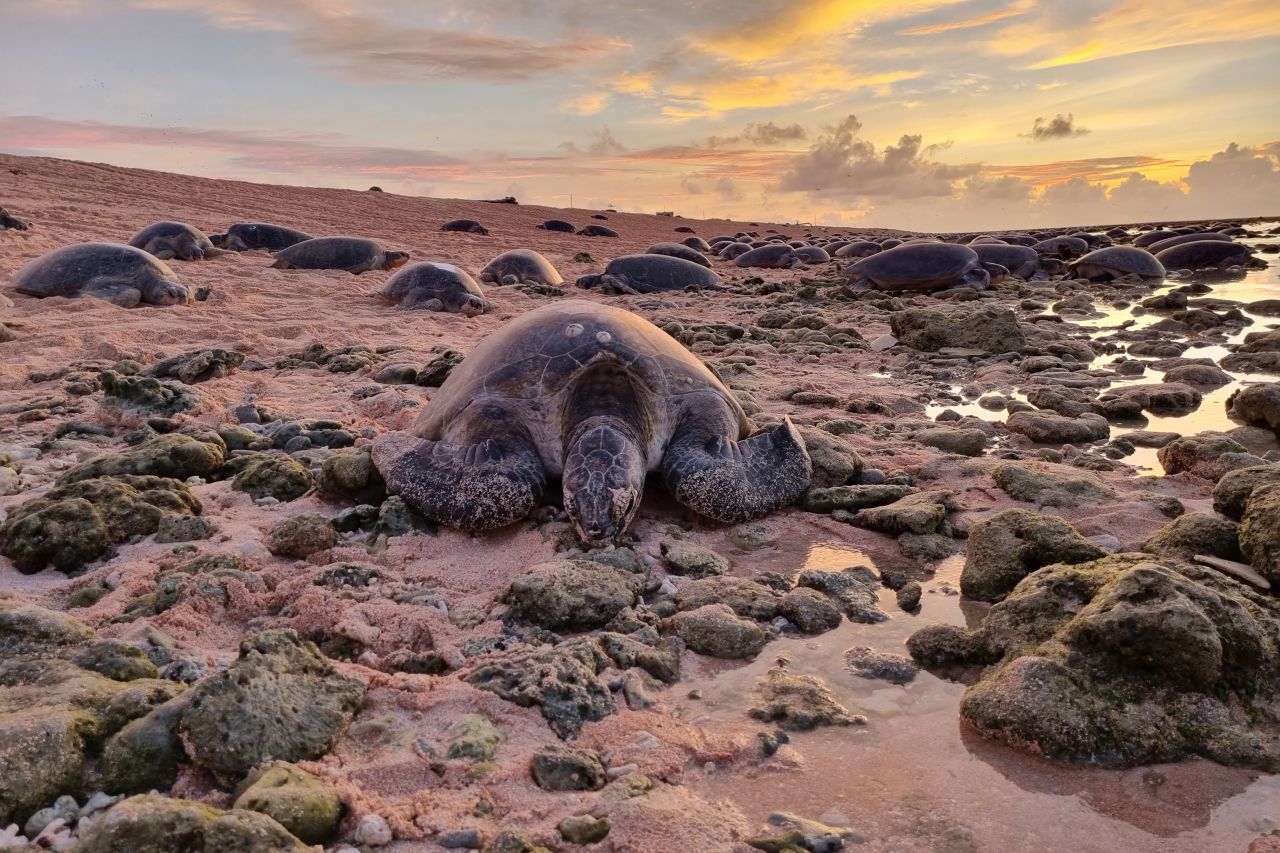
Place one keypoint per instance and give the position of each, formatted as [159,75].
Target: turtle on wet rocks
[922,267]
[597,397]
[1115,262]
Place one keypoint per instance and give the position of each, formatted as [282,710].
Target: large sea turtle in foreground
[598,397]
[924,267]
[123,275]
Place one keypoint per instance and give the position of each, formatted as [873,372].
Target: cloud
[603,144]
[967,23]
[766,134]
[1059,127]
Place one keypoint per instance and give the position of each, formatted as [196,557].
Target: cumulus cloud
[766,134]
[602,144]
[1059,127]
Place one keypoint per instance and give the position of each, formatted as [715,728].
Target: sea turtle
[8,220]
[557,225]
[432,286]
[1194,237]
[1022,261]
[1144,240]
[124,275]
[257,235]
[679,250]
[697,243]
[684,229]
[1116,262]
[858,249]
[1062,247]
[769,256]
[1204,254]
[353,254]
[521,266]
[598,397]
[650,274]
[923,267]
[730,251]
[597,231]
[467,226]
[812,254]
[174,240]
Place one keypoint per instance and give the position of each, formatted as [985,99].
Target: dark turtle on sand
[1144,240]
[521,266]
[353,254]
[696,242]
[1117,262]
[1022,261]
[245,236]
[922,266]
[679,250]
[1194,237]
[812,254]
[557,225]
[466,226]
[8,220]
[1062,247]
[124,275]
[858,249]
[1204,254]
[174,240]
[730,251]
[684,229]
[597,231]
[651,274]
[597,397]
[431,286]
[777,256]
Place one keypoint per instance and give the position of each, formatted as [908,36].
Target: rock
[175,456]
[197,366]
[301,536]
[350,475]
[563,768]
[1207,454]
[690,560]
[1170,398]
[1232,492]
[1012,544]
[64,809]
[747,598]
[513,840]
[1054,429]
[809,610]
[304,805]
[1121,662]
[988,328]
[1257,405]
[965,442]
[281,699]
[921,512]
[116,660]
[1048,487]
[1198,376]
[584,829]
[909,596]
[146,395]
[145,755]
[855,589]
[798,703]
[373,830]
[561,682]
[177,528]
[1196,533]
[661,660]
[571,595]
[867,663]
[835,463]
[154,824]
[77,523]
[1260,532]
[26,630]
[475,737]
[438,369]
[853,498]
[715,630]
[279,477]
[10,481]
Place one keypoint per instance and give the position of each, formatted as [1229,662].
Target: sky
[932,115]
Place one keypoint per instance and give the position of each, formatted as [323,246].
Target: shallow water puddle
[914,779]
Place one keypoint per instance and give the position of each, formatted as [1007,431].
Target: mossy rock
[77,523]
[475,737]
[279,477]
[174,455]
[575,595]
[298,801]
[1012,544]
[146,754]
[25,629]
[198,365]
[153,824]
[146,394]
[301,536]
[350,475]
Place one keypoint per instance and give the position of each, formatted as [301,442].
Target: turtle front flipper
[734,481]
[478,486]
[123,293]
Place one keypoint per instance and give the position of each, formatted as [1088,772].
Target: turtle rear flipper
[478,486]
[734,481]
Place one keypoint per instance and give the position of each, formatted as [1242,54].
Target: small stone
[297,800]
[798,703]
[562,768]
[476,738]
[373,830]
[867,663]
[685,558]
[584,829]
[715,630]
[301,536]
[909,596]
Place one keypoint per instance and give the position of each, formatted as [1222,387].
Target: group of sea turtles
[594,395]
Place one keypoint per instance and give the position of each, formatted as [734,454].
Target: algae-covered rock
[964,442]
[1125,660]
[987,328]
[690,560]
[1260,532]
[919,513]
[475,737]
[798,703]
[559,681]
[747,598]
[715,630]
[279,477]
[835,463]
[26,629]
[1196,533]
[281,699]
[584,829]
[146,394]
[1208,454]
[304,805]
[350,475]
[77,523]
[301,536]
[866,662]
[809,610]
[198,365]
[853,498]
[1012,544]
[1048,487]
[146,754]
[563,768]
[1232,492]
[1258,405]
[153,824]
[855,589]
[571,595]
[116,660]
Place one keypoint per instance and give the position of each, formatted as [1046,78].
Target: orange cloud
[966,24]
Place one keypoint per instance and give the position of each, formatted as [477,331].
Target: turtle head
[603,478]
[164,292]
[395,259]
